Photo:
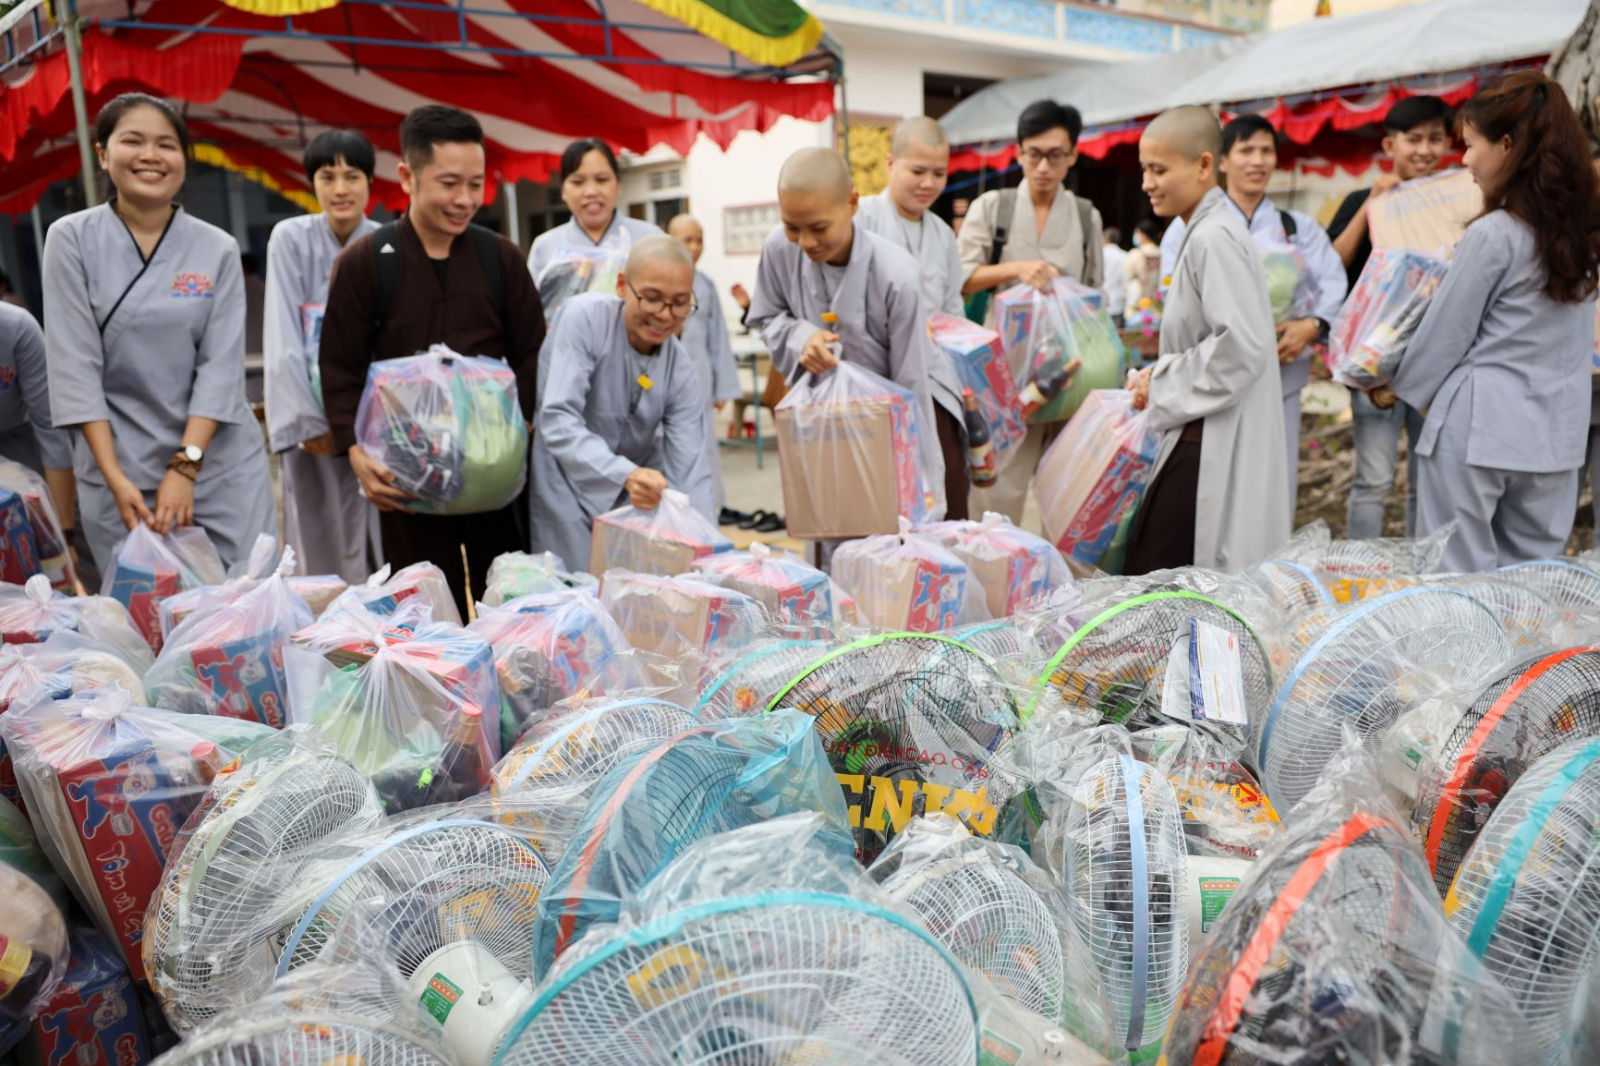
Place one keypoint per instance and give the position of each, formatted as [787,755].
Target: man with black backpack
[431,277]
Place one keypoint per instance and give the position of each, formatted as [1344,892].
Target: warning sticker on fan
[1205,677]
[440,997]
[1215,892]
[998,1051]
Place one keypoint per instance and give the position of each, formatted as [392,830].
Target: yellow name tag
[645,383]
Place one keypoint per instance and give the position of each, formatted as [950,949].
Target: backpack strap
[1291,228]
[1085,216]
[386,236]
[1005,207]
[486,246]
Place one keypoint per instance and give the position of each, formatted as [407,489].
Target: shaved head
[817,171]
[658,248]
[918,129]
[681,225]
[1189,131]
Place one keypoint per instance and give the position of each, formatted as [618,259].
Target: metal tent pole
[513,222]
[80,107]
[38,233]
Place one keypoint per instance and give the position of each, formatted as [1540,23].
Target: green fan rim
[883,638]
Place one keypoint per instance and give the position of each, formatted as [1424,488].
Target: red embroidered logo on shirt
[8,377]
[191,285]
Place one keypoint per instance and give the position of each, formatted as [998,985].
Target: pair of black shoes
[759,522]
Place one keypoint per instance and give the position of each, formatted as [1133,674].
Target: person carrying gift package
[820,267]
[429,278]
[1501,360]
[144,337]
[705,337]
[1249,156]
[331,527]
[618,392]
[919,167]
[1032,235]
[1219,498]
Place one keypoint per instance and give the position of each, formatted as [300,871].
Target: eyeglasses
[654,305]
[1055,157]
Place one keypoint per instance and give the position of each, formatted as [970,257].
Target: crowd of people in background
[132,400]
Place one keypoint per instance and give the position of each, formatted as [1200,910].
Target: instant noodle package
[1091,480]
[147,567]
[1384,309]
[1043,334]
[33,614]
[789,588]
[449,428]
[665,540]
[909,581]
[31,538]
[94,1016]
[1010,565]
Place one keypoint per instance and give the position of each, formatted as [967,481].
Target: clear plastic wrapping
[33,953]
[33,614]
[516,574]
[573,271]
[1383,310]
[145,568]
[47,544]
[108,785]
[1226,813]
[909,582]
[1044,333]
[855,456]
[664,541]
[19,849]
[1356,569]
[680,617]
[265,560]
[1010,565]
[449,428]
[94,1016]
[743,681]
[384,592]
[412,704]
[1291,288]
[791,590]
[981,365]
[1091,480]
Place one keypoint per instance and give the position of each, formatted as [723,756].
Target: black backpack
[485,245]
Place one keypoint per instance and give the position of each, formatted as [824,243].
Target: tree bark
[1576,65]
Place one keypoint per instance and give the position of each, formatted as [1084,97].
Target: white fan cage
[586,741]
[1566,584]
[312,1037]
[747,684]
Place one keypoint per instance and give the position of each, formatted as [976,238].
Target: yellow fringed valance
[211,155]
[281,8]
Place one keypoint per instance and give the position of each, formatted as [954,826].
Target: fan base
[472,995]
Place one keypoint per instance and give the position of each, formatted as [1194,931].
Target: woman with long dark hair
[144,336]
[1501,360]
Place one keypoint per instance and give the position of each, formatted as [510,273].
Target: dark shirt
[448,302]
[1342,219]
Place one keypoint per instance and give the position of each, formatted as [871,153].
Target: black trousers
[955,464]
[1163,530]
[440,540]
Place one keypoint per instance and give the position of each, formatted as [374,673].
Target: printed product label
[998,1051]
[1215,892]
[440,997]
[14,959]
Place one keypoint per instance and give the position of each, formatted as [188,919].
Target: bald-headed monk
[613,377]
[705,335]
[819,261]
[1220,495]
[919,167]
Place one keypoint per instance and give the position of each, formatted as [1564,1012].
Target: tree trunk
[1576,65]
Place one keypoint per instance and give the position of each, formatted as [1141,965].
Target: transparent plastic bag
[854,455]
[1010,565]
[1044,334]
[517,574]
[1360,569]
[413,704]
[573,271]
[1091,480]
[94,1016]
[791,590]
[33,953]
[1226,813]
[108,784]
[146,568]
[34,613]
[680,617]
[384,594]
[547,648]
[1291,288]
[449,428]
[1384,309]
[981,365]
[909,582]
[19,850]
[228,660]
[49,543]
[664,541]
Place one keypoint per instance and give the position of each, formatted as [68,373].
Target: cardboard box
[1428,215]
[1010,574]
[245,679]
[789,593]
[141,589]
[94,1014]
[911,594]
[1091,480]
[980,365]
[850,469]
[664,616]
[616,544]
[19,552]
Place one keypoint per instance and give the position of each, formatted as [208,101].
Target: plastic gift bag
[1010,566]
[573,271]
[413,704]
[450,429]
[1291,288]
[789,588]
[33,953]
[383,594]
[146,568]
[1371,334]
[34,613]
[854,456]
[909,582]
[663,541]
[981,365]
[94,1017]
[1043,334]
[1091,480]
[19,850]
[517,574]
[547,648]
[229,660]
[679,615]
[49,543]
[108,784]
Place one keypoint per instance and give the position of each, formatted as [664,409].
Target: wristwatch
[187,460]
[1323,329]
[194,453]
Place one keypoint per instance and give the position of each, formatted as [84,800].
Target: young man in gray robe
[1219,498]
[705,335]
[618,390]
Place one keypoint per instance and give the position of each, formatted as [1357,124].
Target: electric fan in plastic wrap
[1566,584]
[1367,665]
[747,681]
[1336,950]
[912,723]
[1291,586]
[762,946]
[710,779]
[1115,663]
[1360,569]
[211,934]
[1533,622]
[1122,862]
[1226,814]
[1009,644]
[1481,750]
[1527,898]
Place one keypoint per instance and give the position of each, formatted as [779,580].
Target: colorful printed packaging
[980,363]
[673,615]
[1010,565]
[1091,480]
[34,613]
[573,271]
[1044,333]
[790,589]
[147,567]
[94,1017]
[19,554]
[49,542]
[385,594]
[1378,319]
[909,582]
[664,541]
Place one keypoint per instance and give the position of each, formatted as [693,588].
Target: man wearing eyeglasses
[621,414]
[1031,235]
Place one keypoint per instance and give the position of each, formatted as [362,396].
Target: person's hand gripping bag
[449,428]
[146,568]
[1383,311]
[665,540]
[1045,332]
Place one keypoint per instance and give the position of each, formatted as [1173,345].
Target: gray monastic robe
[882,321]
[618,237]
[931,242]
[26,435]
[595,424]
[325,517]
[705,337]
[146,345]
[1219,362]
